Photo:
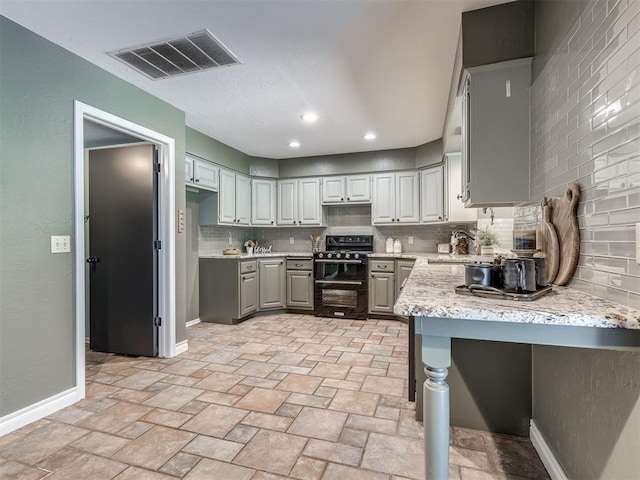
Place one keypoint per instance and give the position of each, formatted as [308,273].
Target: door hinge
[157,244]
[156,167]
[157,321]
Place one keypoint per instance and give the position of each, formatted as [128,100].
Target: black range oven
[340,277]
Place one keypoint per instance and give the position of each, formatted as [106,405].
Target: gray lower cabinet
[248,294]
[271,278]
[228,289]
[300,283]
[403,269]
[382,292]
[386,277]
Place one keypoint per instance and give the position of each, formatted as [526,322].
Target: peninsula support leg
[436,355]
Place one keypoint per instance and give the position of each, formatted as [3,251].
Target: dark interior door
[122,258]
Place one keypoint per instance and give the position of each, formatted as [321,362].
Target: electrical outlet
[60,243]
[410,240]
[638,243]
[292,240]
[180,221]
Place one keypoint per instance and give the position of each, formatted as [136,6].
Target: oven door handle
[338,261]
[338,282]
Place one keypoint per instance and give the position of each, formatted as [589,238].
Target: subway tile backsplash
[343,220]
[585,128]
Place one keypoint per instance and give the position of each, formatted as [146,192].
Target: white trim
[193,322]
[166,227]
[182,347]
[38,410]
[546,454]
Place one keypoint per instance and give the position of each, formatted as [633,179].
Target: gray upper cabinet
[263,202]
[298,202]
[495,134]
[201,174]
[271,278]
[455,211]
[396,198]
[234,198]
[431,194]
[346,189]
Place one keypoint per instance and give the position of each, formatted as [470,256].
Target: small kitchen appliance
[340,277]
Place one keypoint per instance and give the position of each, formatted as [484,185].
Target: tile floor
[278,396]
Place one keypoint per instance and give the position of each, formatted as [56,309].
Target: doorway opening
[89,118]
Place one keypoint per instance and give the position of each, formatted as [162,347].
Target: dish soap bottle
[397,246]
[389,245]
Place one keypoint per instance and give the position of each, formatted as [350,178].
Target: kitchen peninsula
[565,317]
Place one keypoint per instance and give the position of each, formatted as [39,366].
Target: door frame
[166,230]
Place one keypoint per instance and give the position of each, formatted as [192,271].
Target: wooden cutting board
[563,216]
[549,243]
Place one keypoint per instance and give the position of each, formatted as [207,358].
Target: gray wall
[37,330]
[429,153]
[587,403]
[498,33]
[377,161]
[210,149]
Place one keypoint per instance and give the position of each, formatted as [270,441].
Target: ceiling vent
[191,53]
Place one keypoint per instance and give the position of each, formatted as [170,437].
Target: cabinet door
[431,183]
[333,190]
[243,200]
[205,175]
[498,135]
[455,208]
[358,188]
[383,208]
[407,197]
[309,207]
[263,202]
[402,273]
[188,171]
[299,289]
[287,203]
[382,292]
[227,197]
[271,278]
[248,294]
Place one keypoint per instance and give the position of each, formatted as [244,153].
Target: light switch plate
[638,243]
[60,243]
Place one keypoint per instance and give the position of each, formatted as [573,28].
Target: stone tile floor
[278,396]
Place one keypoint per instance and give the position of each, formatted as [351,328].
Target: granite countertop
[244,256]
[429,292]
[435,257]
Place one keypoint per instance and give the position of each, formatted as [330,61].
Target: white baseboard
[38,410]
[181,347]
[191,323]
[546,454]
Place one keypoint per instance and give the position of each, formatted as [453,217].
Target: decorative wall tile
[585,128]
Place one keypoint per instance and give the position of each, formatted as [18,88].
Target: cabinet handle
[197,180]
[298,264]
[347,199]
[308,274]
[191,179]
[382,267]
[342,199]
[459,197]
[271,222]
[439,218]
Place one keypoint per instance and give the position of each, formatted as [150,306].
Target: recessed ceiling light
[370,136]
[310,117]
[294,144]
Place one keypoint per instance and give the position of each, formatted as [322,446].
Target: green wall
[38,83]
[210,149]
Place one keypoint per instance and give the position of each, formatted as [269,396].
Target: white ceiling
[362,65]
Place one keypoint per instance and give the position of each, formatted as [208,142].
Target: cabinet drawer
[297,264]
[381,265]
[247,267]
